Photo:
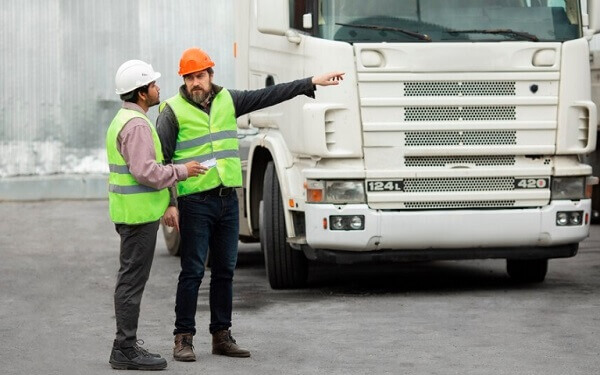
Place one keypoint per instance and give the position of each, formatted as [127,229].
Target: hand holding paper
[210,163]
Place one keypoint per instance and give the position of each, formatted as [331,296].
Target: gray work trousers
[137,252]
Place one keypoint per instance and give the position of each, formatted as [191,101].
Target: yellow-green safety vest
[202,137]
[130,202]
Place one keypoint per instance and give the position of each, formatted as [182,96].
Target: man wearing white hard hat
[138,197]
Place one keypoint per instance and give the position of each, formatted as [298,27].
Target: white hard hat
[133,74]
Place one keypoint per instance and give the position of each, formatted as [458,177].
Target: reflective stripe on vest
[202,137]
[122,169]
[129,201]
[132,189]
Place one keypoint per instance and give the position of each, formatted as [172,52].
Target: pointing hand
[328,79]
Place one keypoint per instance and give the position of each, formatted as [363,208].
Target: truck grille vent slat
[460,138]
[460,204]
[442,161]
[458,113]
[471,88]
[430,185]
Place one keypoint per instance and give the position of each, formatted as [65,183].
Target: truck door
[272,59]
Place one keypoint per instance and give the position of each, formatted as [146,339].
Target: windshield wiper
[419,36]
[513,33]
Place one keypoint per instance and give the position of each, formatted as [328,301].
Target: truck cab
[459,131]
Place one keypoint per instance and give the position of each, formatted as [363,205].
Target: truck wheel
[527,270]
[286,267]
[261,231]
[595,219]
[171,239]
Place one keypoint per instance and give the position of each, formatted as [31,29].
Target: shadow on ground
[392,278]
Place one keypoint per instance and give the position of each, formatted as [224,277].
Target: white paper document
[210,163]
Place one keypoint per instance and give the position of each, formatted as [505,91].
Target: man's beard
[199,96]
[150,102]
[155,101]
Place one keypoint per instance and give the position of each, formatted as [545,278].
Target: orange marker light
[324,223]
[315,191]
[590,181]
[291,203]
[314,195]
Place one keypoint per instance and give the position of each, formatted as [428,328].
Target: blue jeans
[206,221]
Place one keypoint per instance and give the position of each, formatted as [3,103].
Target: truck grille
[456,139]
[458,204]
[429,185]
[461,138]
[460,113]
[454,88]
[442,161]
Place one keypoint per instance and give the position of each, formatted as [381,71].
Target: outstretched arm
[252,100]
[328,79]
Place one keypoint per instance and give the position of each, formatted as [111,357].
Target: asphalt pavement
[59,261]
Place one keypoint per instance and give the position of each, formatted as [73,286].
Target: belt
[219,191]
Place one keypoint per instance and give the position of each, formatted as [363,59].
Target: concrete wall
[58,60]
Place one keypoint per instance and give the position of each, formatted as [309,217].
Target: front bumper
[446,229]
[385,256]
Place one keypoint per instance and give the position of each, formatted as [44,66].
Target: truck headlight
[347,222]
[568,188]
[335,191]
[571,218]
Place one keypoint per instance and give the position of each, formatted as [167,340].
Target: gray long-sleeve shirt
[136,145]
[243,101]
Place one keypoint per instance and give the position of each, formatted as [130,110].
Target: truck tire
[527,270]
[172,239]
[286,268]
[595,219]
[261,231]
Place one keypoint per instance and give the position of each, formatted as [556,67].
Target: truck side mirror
[593,8]
[273,16]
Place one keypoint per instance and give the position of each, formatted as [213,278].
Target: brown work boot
[224,344]
[184,348]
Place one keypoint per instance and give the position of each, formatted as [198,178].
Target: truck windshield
[418,21]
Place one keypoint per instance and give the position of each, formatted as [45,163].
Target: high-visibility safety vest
[202,137]
[130,202]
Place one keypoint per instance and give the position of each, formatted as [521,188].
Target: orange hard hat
[194,60]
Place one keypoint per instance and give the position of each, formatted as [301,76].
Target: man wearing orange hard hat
[199,123]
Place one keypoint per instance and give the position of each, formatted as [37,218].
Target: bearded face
[198,85]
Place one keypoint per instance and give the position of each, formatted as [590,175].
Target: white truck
[459,132]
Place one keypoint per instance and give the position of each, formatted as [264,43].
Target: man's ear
[142,96]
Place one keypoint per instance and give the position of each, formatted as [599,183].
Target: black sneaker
[135,358]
